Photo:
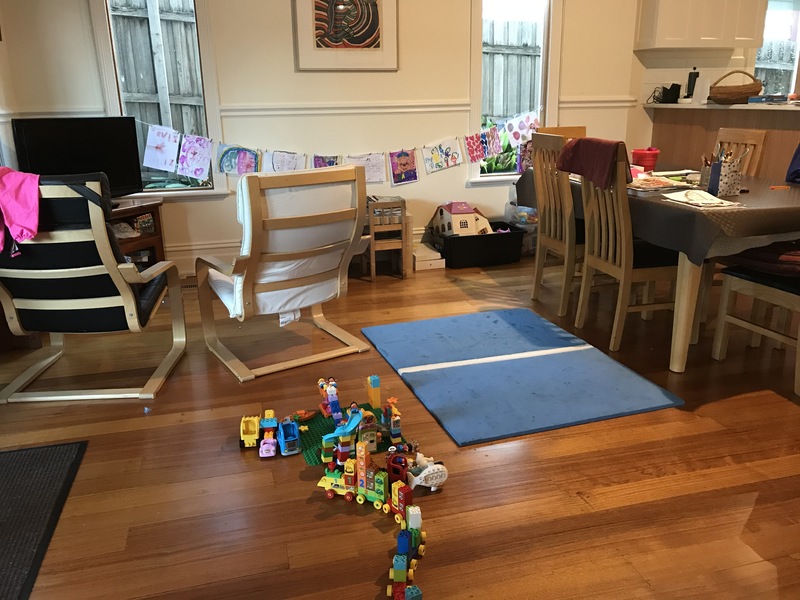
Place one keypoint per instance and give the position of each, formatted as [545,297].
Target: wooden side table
[148,247]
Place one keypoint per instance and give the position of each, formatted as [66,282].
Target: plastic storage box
[460,251]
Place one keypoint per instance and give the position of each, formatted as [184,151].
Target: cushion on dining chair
[647,255]
[779,282]
[779,258]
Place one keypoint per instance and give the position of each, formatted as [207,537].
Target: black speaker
[669,95]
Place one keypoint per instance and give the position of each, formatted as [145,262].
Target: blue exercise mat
[492,375]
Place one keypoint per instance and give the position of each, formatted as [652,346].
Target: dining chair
[566,131]
[300,231]
[72,279]
[765,289]
[610,247]
[747,143]
[556,232]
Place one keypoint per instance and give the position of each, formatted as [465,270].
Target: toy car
[249,432]
[288,437]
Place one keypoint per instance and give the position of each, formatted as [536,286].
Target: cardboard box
[462,251]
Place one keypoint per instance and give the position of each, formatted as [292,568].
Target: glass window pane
[157,59]
[776,60]
[513,42]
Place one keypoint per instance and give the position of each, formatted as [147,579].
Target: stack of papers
[700,199]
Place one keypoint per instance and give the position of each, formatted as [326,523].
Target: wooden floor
[698,502]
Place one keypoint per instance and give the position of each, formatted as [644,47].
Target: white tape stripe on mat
[491,359]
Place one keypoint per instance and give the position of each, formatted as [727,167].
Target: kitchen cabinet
[700,24]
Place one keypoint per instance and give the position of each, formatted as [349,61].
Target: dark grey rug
[34,483]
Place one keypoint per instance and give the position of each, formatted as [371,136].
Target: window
[157,76]
[776,60]
[512,66]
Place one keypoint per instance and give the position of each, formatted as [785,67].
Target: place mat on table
[700,199]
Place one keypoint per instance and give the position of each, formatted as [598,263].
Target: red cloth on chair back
[594,158]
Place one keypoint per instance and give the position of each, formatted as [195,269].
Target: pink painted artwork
[194,159]
[494,145]
[237,160]
[476,150]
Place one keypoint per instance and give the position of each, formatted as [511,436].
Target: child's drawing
[320,161]
[443,155]
[403,166]
[195,157]
[237,160]
[161,150]
[476,146]
[493,144]
[276,161]
[520,127]
[374,164]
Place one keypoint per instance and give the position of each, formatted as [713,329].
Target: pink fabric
[594,158]
[19,204]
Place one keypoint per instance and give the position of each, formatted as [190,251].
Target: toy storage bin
[460,251]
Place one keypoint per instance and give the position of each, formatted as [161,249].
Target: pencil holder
[725,179]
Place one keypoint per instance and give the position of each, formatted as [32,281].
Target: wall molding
[597,102]
[232,111]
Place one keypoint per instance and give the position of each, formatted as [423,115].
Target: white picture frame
[309,57]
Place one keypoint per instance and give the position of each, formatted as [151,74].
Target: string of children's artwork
[193,155]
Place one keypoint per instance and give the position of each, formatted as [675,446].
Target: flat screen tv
[65,146]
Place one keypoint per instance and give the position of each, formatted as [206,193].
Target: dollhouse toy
[459,218]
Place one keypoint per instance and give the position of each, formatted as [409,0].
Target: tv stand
[147,248]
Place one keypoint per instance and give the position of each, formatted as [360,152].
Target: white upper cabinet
[700,24]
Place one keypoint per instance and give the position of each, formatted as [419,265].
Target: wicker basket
[734,94]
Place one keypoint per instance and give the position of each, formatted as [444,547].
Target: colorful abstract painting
[194,159]
[493,144]
[347,24]
[237,160]
[520,127]
[161,149]
[443,155]
[476,146]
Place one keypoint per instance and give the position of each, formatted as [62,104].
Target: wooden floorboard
[696,502]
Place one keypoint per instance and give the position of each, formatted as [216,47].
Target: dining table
[766,211]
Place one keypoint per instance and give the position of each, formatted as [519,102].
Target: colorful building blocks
[249,432]
[288,437]
[374,391]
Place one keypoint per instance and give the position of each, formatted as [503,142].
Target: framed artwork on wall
[345,35]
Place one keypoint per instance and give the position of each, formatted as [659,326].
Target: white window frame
[108,74]
[551,80]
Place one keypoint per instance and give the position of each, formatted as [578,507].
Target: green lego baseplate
[320,425]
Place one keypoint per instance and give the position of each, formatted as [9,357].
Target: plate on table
[656,184]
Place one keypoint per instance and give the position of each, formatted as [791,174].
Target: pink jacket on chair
[19,204]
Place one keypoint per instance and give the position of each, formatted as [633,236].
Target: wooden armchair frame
[260,249]
[23,313]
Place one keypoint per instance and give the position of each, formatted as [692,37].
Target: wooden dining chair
[556,233]
[766,289]
[566,131]
[748,143]
[610,247]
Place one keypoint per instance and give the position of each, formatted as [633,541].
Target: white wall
[49,64]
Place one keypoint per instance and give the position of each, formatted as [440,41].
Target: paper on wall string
[278,161]
[194,159]
[237,160]
[443,155]
[374,164]
[161,149]
[476,149]
[403,166]
[320,161]
[493,144]
[519,128]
